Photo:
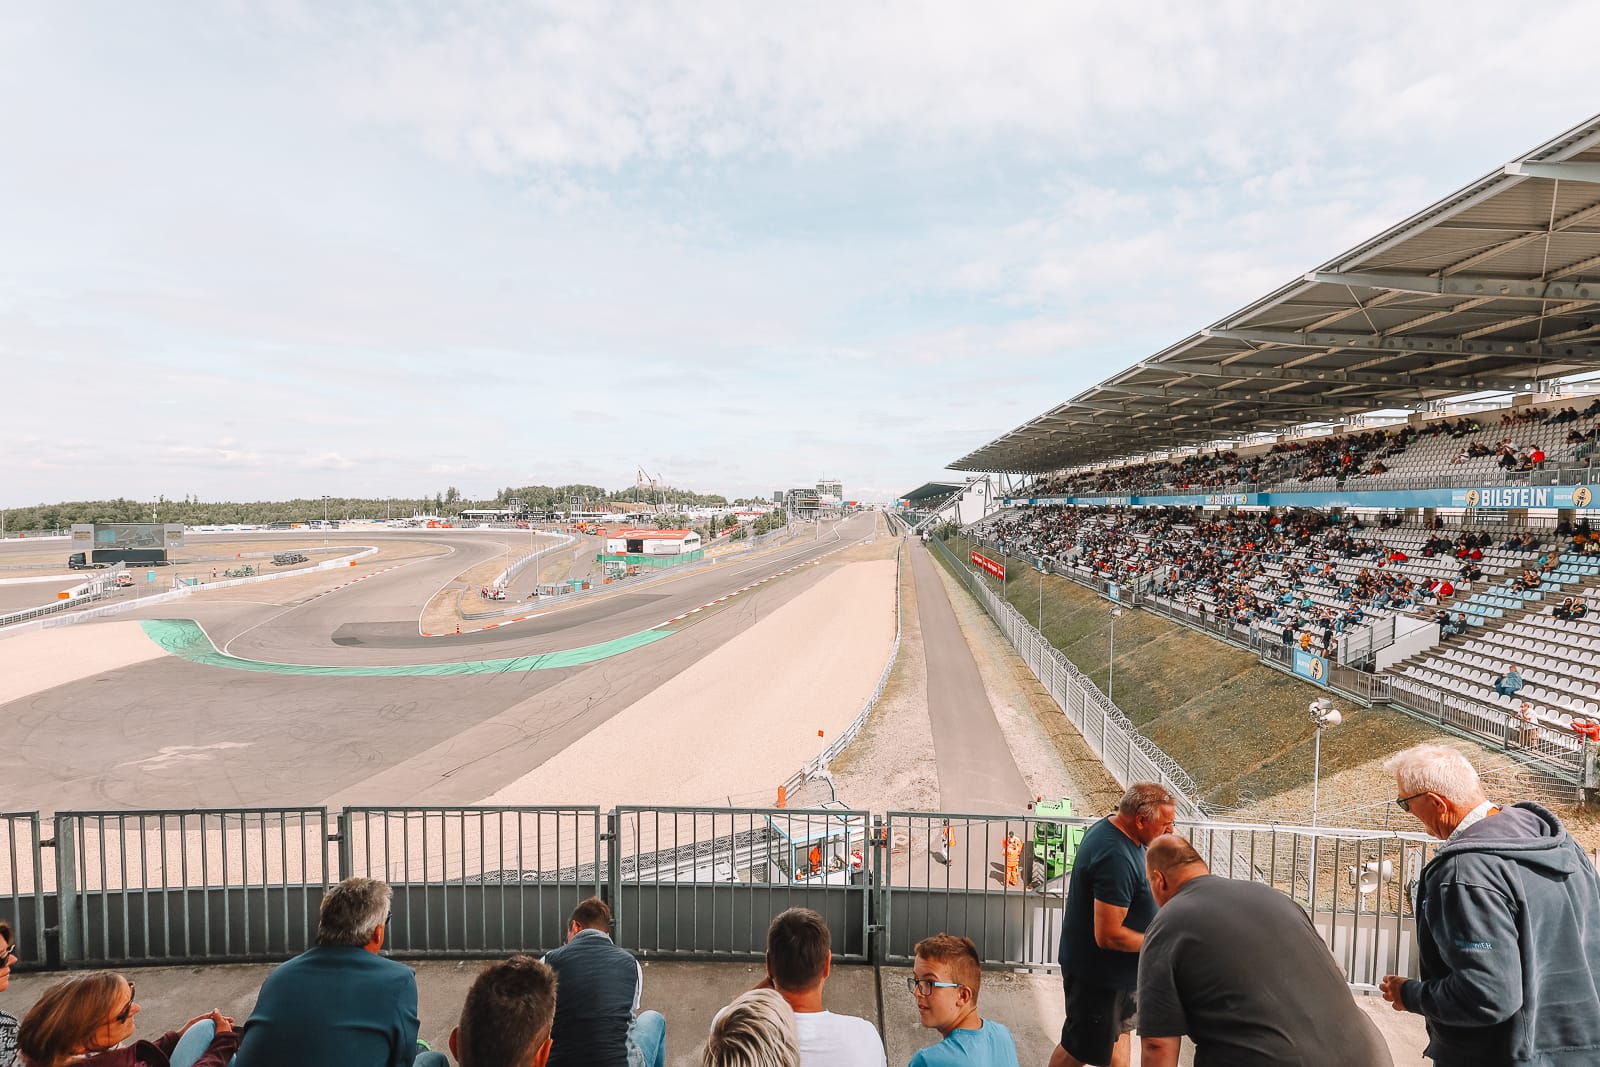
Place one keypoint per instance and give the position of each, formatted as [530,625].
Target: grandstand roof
[930,491]
[1494,288]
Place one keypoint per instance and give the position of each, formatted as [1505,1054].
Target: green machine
[1055,844]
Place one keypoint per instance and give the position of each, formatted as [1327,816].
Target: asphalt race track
[171,732]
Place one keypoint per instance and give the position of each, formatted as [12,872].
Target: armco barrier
[1127,754]
[169,887]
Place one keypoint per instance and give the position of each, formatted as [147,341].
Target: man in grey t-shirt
[1238,967]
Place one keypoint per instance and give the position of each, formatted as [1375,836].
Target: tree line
[192,511]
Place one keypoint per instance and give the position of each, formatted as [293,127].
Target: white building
[651,542]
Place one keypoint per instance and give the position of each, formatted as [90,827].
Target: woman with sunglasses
[84,1020]
[8,1022]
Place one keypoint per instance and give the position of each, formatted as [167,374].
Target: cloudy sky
[258,250]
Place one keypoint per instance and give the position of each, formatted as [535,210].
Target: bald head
[1170,862]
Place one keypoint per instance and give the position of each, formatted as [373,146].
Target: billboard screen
[133,534]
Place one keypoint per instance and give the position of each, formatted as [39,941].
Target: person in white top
[799,960]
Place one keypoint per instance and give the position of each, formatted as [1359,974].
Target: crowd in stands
[1515,443]
[342,1003]
[1303,577]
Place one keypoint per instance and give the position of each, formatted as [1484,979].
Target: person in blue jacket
[339,1003]
[1508,925]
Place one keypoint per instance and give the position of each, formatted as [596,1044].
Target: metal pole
[1316,775]
[324,520]
[1041,600]
[1111,659]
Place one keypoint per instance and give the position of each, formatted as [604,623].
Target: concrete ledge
[688,994]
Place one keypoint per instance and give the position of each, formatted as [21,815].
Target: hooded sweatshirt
[1508,932]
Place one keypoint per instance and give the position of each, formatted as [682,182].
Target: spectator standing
[944,980]
[1108,907]
[1203,971]
[756,1030]
[506,1019]
[339,1003]
[799,960]
[1508,925]
[598,1022]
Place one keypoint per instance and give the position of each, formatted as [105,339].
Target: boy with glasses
[944,980]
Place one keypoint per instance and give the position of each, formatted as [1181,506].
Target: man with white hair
[339,1003]
[1508,924]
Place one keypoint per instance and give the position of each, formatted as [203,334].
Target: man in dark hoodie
[1508,925]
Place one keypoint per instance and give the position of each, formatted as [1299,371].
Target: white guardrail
[176,594]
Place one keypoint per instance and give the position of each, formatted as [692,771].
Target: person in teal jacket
[339,1003]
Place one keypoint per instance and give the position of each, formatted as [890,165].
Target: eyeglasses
[127,1011]
[9,953]
[923,987]
[1404,803]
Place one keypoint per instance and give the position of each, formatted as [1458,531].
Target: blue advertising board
[1311,667]
[1504,497]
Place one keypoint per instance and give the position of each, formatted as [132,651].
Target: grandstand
[1384,466]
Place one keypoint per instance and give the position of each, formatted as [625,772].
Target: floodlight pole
[1111,658]
[324,520]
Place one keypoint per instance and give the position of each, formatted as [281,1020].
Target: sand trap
[33,662]
[745,717]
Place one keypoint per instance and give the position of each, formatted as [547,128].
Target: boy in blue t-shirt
[945,981]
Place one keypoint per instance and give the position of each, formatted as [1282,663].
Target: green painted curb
[185,638]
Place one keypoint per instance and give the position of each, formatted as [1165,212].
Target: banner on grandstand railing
[984,563]
[1313,668]
[1485,496]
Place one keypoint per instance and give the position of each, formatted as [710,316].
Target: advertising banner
[1580,497]
[1310,667]
[984,563]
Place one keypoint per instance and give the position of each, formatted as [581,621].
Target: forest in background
[195,512]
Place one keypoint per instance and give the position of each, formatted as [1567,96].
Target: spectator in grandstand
[756,1030]
[8,1022]
[597,1013]
[799,960]
[1508,924]
[1580,608]
[86,1017]
[945,976]
[1108,907]
[339,1002]
[1200,974]
[506,1019]
[1564,611]
[1509,682]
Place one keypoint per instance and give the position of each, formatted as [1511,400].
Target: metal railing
[149,887]
[471,881]
[175,886]
[698,882]
[1127,754]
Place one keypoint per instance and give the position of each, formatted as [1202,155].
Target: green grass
[1237,727]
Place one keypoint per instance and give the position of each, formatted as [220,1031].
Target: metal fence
[173,886]
[472,881]
[1127,754]
[697,882]
[165,887]
[948,873]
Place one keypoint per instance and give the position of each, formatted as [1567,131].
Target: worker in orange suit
[816,860]
[1013,847]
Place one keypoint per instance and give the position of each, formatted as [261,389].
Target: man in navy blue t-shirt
[1108,906]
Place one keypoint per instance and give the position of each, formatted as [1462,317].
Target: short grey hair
[756,1030]
[1436,769]
[1143,798]
[351,912]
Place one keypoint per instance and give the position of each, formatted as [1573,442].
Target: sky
[274,249]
